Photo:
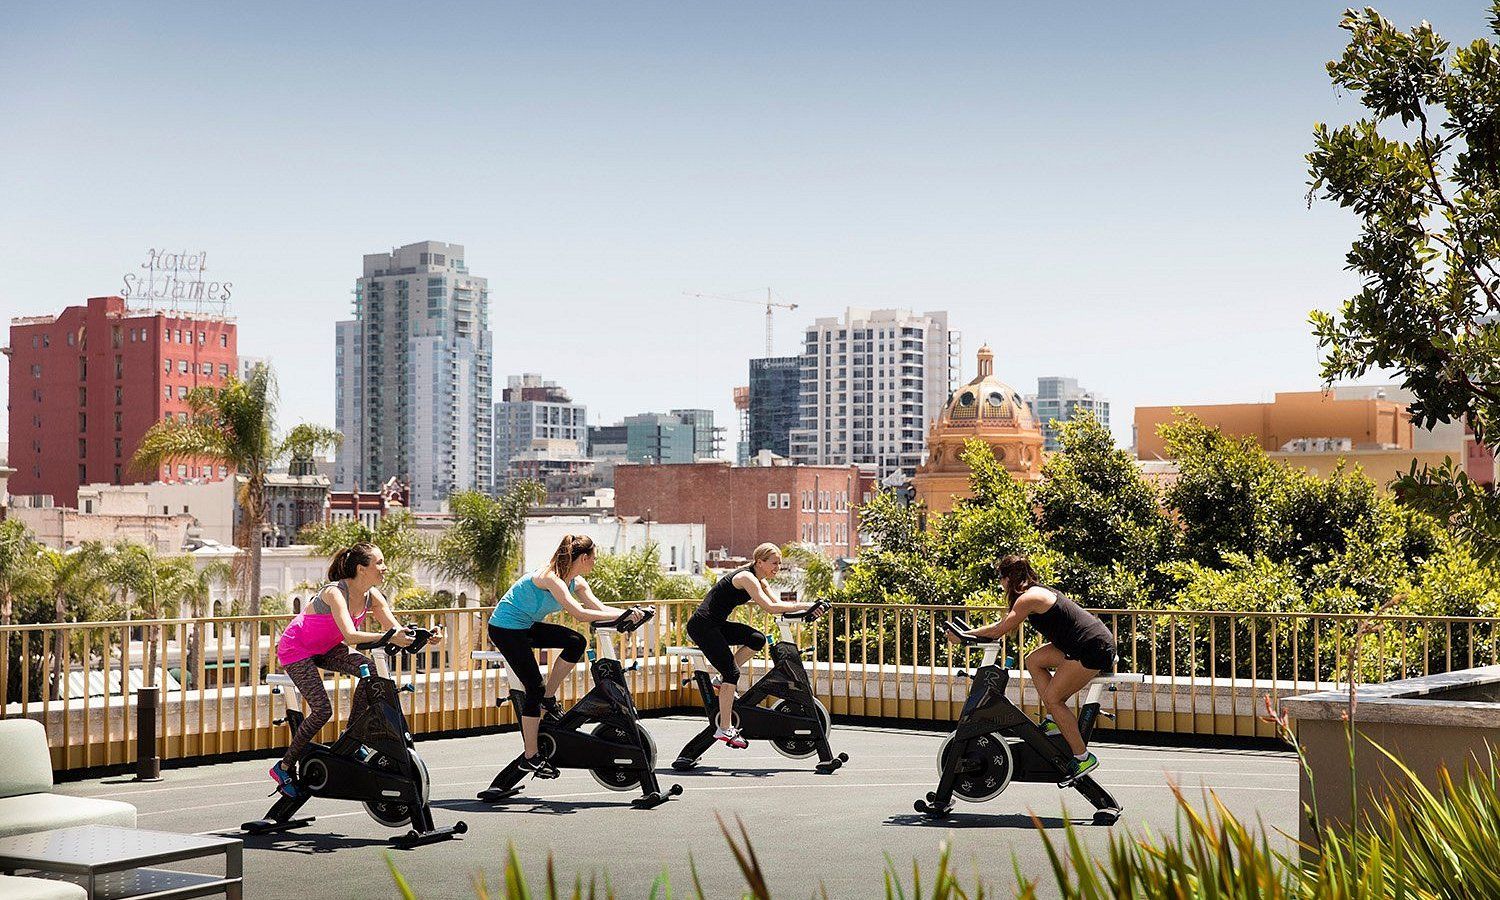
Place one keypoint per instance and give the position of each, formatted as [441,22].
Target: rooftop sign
[174,278]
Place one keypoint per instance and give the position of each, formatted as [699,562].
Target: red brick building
[742,506]
[87,383]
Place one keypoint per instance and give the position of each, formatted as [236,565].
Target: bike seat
[491,656]
[685,651]
[280,680]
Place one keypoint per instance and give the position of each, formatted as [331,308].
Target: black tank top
[1069,627]
[724,596]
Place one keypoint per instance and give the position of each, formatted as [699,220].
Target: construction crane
[769,302]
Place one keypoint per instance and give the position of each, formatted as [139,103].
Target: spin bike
[373,762]
[617,751]
[797,725]
[996,743]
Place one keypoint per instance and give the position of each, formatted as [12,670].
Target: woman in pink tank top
[319,638]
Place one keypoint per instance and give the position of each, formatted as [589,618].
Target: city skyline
[1135,219]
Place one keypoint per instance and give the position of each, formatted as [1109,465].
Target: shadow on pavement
[529,805]
[305,843]
[718,772]
[976,820]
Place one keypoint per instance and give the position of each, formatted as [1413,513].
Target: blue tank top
[526,603]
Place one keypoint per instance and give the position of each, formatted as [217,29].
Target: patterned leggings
[304,673]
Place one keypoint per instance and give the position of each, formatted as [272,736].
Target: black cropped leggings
[517,644]
[714,639]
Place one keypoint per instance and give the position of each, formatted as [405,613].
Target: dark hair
[1019,575]
[347,561]
[568,550]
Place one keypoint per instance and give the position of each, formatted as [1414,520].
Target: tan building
[985,408]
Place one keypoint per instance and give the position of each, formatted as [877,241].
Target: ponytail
[347,561]
[569,549]
[1019,575]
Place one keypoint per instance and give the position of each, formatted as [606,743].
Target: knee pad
[573,652]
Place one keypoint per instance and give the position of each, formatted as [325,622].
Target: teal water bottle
[364,671]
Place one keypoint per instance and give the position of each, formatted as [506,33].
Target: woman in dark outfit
[1079,648]
[712,632]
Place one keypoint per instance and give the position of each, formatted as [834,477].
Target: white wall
[683,543]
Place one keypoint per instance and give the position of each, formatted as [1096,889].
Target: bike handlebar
[622,622]
[811,614]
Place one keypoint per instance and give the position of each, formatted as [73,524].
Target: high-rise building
[742,410]
[708,440]
[870,385]
[532,410]
[775,395]
[657,438]
[1059,400]
[86,384]
[414,398]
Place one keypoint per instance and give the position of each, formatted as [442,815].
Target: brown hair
[568,550]
[347,561]
[1019,575]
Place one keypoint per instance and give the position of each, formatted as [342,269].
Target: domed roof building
[985,408]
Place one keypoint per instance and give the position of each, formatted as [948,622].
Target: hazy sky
[1108,191]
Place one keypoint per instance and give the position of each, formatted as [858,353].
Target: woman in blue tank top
[517,629]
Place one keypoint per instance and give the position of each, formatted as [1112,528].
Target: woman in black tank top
[712,632]
[1079,648]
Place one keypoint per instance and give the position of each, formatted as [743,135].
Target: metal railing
[1206,672]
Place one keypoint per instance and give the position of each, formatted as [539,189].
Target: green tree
[1104,520]
[187,588]
[637,575]
[75,580]
[396,536]
[235,426]
[484,544]
[808,570]
[992,523]
[1218,491]
[20,569]
[1421,170]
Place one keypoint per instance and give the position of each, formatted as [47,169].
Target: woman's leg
[515,645]
[709,637]
[1039,665]
[560,637]
[304,673]
[750,641]
[1068,680]
[349,661]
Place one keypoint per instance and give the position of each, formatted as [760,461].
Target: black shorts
[714,639]
[1100,657]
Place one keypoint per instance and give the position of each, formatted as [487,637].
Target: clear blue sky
[1112,192]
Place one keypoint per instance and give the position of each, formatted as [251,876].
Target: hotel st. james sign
[176,277]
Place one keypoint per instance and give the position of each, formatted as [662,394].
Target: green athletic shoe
[1084,766]
[1049,727]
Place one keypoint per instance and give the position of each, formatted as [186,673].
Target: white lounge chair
[27,803]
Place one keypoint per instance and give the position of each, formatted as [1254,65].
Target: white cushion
[43,812]
[28,765]
[13,888]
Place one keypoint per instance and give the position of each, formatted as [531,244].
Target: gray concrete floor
[807,828]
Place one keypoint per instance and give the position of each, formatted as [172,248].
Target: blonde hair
[569,549]
[762,553]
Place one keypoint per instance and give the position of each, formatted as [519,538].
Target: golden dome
[987,401]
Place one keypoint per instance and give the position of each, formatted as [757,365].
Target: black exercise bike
[373,762]
[617,751]
[797,725]
[996,743]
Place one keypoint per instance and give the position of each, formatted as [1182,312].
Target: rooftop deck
[807,828]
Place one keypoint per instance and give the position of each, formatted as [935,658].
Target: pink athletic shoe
[731,738]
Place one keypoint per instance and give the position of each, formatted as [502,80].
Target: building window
[181,471]
[83,421]
[223,370]
[36,371]
[83,368]
[179,335]
[182,418]
[223,472]
[786,501]
[208,368]
[119,395]
[83,474]
[168,391]
[182,366]
[119,475]
[119,367]
[200,339]
[182,392]
[223,340]
[72,339]
[770,501]
[117,448]
[116,336]
[83,447]
[83,396]
[117,421]
[166,366]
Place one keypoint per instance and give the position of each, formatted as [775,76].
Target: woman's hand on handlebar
[952,637]
[402,638]
[437,637]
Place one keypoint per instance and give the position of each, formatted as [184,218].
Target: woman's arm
[586,593]
[558,589]
[381,609]
[1025,605]
[340,610]
[762,597]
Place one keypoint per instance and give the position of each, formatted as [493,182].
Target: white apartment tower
[870,386]
[532,410]
[413,386]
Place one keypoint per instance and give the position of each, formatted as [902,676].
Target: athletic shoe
[1049,727]
[1089,763]
[283,779]
[731,738]
[550,707]
[539,766]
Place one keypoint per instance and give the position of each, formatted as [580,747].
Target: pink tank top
[313,631]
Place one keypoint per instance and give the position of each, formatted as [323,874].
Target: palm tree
[235,426]
[190,589]
[73,577]
[484,545]
[20,572]
[808,569]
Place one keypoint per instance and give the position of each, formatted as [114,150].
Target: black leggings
[304,673]
[714,638]
[516,645]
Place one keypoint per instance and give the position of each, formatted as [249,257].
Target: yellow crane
[769,303]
